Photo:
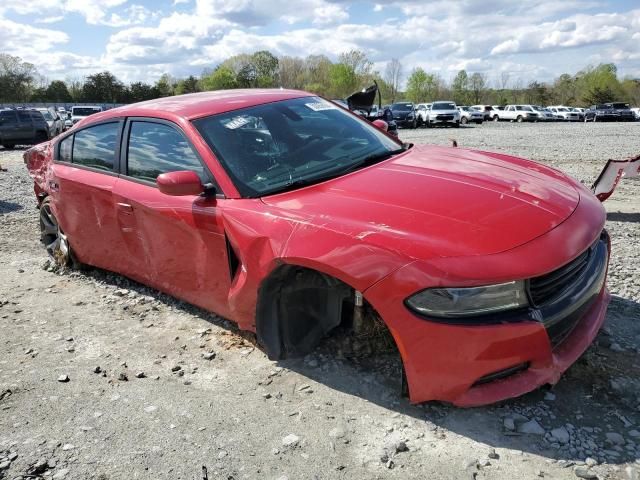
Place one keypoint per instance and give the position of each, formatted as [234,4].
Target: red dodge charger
[288,214]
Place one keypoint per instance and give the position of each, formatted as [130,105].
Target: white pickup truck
[517,113]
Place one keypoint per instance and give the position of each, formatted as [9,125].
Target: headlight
[466,302]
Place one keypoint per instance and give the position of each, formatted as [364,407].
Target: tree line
[21,82]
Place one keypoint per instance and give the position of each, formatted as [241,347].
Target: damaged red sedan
[292,216]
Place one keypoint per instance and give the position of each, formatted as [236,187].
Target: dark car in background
[22,127]
[609,112]
[404,114]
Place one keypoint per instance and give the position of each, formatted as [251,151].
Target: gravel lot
[103,378]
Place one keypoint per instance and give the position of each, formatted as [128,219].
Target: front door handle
[125,206]
[54,186]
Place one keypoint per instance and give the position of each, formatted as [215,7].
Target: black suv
[22,127]
[616,112]
[404,113]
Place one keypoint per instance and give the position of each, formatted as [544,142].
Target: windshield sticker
[236,123]
[320,106]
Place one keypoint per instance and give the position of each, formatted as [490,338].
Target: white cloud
[329,14]
[56,19]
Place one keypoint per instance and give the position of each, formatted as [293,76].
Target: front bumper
[444,119]
[470,365]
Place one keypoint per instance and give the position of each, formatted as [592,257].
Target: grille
[545,288]
[444,117]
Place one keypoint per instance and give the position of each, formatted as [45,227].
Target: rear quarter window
[96,146]
[65,147]
[7,118]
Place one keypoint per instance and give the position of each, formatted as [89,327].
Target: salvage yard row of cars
[29,126]
[410,115]
[296,218]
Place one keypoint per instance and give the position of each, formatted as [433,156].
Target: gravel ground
[104,378]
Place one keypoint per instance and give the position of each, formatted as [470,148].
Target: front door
[174,243]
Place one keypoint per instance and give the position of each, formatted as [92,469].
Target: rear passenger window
[65,149]
[24,116]
[96,146]
[155,148]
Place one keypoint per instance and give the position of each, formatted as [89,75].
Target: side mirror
[381,124]
[184,182]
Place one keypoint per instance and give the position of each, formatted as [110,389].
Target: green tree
[265,65]
[537,93]
[599,84]
[16,79]
[343,80]
[477,85]
[57,91]
[166,85]
[187,85]
[460,88]
[222,78]
[421,86]
[103,87]
[139,92]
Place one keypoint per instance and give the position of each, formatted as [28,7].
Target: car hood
[438,202]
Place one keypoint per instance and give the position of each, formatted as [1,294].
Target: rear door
[174,243]
[24,130]
[84,175]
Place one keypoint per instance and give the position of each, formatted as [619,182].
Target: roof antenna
[454,142]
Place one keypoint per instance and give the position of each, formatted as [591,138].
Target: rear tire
[496,118]
[9,146]
[519,119]
[54,239]
[464,120]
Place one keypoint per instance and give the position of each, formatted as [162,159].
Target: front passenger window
[155,148]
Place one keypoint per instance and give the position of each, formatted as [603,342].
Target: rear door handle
[125,206]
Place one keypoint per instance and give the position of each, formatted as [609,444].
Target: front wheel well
[297,307]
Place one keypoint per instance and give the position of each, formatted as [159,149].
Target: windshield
[443,106]
[46,114]
[402,106]
[620,105]
[288,144]
[84,111]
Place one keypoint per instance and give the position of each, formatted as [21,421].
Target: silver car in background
[468,114]
[443,113]
[565,113]
[546,115]
[54,122]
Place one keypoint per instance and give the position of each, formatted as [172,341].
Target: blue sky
[516,40]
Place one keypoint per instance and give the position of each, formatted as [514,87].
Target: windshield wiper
[373,158]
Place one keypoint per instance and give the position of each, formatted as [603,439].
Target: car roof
[196,105]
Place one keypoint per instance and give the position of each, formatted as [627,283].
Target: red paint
[432,216]
[180,183]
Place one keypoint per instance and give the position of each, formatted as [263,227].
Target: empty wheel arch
[298,307]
